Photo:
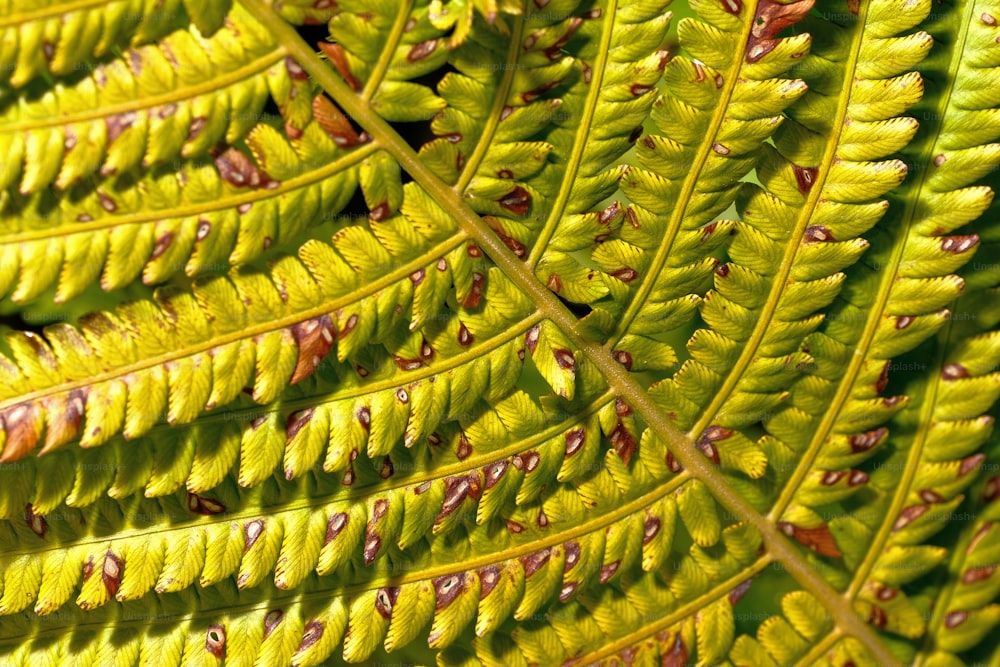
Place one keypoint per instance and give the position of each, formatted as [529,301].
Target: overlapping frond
[454,430]
[150,105]
[891,304]
[62,38]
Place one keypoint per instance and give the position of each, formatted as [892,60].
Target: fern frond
[145,107]
[966,612]
[60,38]
[888,312]
[195,219]
[454,430]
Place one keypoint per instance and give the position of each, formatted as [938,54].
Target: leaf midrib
[388,53]
[208,87]
[580,138]
[311,177]
[617,377]
[379,578]
[913,457]
[50,11]
[648,281]
[366,290]
[862,349]
[493,119]
[353,493]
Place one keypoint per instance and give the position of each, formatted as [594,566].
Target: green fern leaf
[499,333]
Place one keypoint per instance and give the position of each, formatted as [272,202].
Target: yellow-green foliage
[502,332]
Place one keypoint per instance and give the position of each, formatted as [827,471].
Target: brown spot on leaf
[364,416]
[312,633]
[107,202]
[565,359]
[456,491]
[252,530]
[215,640]
[447,589]
[976,574]
[883,377]
[953,619]
[954,371]
[205,506]
[831,477]
[494,472]
[334,526]
[623,358]
[22,422]
[239,170]
[338,58]
[475,295]
[706,441]
[36,522]
[623,442]
[805,177]
[971,463]
[737,593]
[421,50]
[117,124]
[959,244]
[818,539]
[908,515]
[517,201]
[111,573]
[554,52]
[387,469]
[992,489]
[567,590]
[673,464]
[979,537]
[271,621]
[488,577]
[930,496]
[203,230]
[380,212]
[407,364]
[333,121]
[532,95]
[554,283]
[574,440]
[385,600]
[373,542]
[533,562]
[625,274]
[862,442]
[296,420]
[817,234]
[464,447]
[162,243]
[531,338]
[676,655]
[877,617]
